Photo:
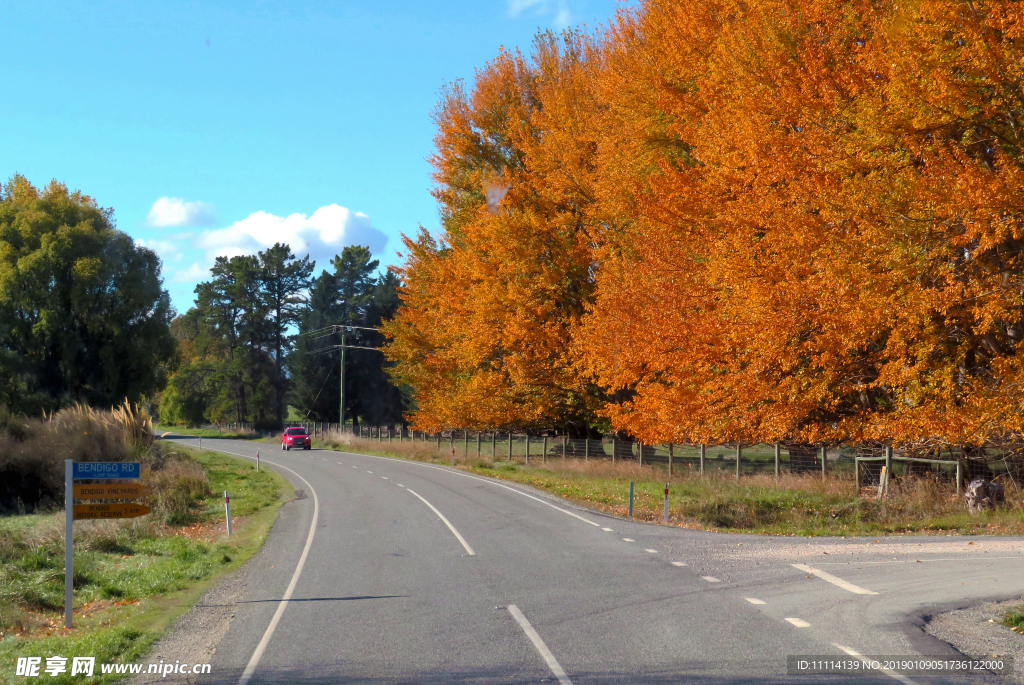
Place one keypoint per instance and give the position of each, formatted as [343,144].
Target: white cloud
[174,211]
[322,235]
[558,8]
[192,274]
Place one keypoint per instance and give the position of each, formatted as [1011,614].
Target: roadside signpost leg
[69,589]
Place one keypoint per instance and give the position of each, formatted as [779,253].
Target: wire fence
[859,463]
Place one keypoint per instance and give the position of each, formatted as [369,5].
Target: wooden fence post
[778,458]
[563,449]
[527,449]
[510,445]
[586,449]
[640,451]
[615,443]
[703,454]
[478,444]
[670,446]
[544,454]
[739,459]
[824,459]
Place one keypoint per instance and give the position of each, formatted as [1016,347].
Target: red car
[296,437]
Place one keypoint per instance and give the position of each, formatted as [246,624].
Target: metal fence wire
[862,463]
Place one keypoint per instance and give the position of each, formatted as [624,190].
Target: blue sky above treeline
[222,127]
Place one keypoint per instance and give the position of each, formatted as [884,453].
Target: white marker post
[666,502]
[227,510]
[257,460]
[69,538]
[453,456]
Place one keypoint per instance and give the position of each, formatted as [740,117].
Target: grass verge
[796,505]
[233,434]
[1015,619]
[132,577]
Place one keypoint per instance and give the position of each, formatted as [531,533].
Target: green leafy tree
[352,296]
[285,279]
[83,314]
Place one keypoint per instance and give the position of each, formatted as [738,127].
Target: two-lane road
[414,573]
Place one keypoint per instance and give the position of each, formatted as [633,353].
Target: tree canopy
[83,314]
[771,220]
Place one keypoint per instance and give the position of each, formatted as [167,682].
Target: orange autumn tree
[489,307]
[825,247]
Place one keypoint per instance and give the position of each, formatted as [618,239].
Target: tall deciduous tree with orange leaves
[760,220]
[829,251]
[488,311]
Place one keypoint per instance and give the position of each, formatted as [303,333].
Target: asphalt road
[516,586]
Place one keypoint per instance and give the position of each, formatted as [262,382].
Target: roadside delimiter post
[227,510]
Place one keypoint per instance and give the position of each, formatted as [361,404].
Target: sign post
[69,467]
[95,470]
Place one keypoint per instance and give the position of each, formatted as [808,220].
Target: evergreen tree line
[262,337]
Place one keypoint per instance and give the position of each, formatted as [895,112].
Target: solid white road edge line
[892,674]
[835,581]
[469,550]
[549,658]
[250,668]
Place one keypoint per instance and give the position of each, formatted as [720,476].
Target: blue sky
[219,127]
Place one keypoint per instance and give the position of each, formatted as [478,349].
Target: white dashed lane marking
[711,579]
[652,551]
[799,622]
[608,530]
[754,600]
[679,563]
[629,540]
[839,582]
